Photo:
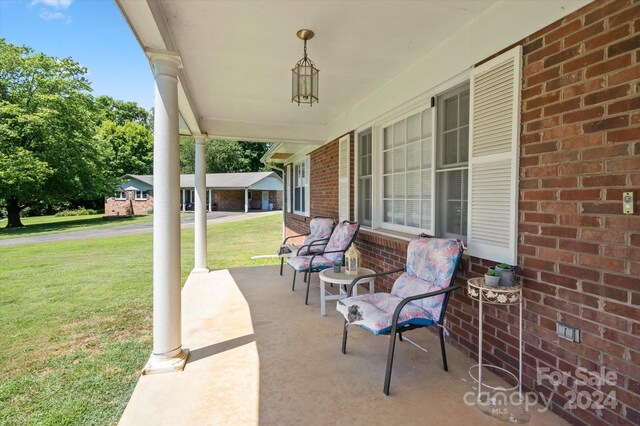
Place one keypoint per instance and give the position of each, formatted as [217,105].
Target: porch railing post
[168,354]
[200,213]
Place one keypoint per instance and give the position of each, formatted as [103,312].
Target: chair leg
[442,349]
[281,265]
[387,376]
[344,337]
[306,299]
[400,336]
[293,286]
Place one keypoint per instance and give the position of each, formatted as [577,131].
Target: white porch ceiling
[237,55]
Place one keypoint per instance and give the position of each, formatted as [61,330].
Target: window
[141,195]
[452,166]
[407,178]
[121,195]
[365,161]
[301,187]
[289,189]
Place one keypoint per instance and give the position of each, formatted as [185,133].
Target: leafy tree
[130,147]
[224,156]
[47,123]
[121,112]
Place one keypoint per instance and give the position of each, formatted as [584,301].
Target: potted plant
[492,278]
[337,266]
[506,274]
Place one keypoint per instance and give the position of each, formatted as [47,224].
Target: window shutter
[493,158]
[307,186]
[343,177]
[289,188]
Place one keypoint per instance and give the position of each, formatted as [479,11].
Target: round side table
[343,280]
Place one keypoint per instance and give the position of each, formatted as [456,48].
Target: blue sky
[93,33]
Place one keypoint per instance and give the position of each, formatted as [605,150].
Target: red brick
[583,114]
[623,46]
[580,168]
[561,132]
[605,291]
[578,272]
[584,34]
[532,46]
[625,16]
[622,252]
[579,246]
[623,76]
[604,180]
[558,231]
[582,141]
[600,208]
[583,61]
[564,182]
[546,99]
[528,161]
[544,52]
[560,280]
[605,319]
[606,124]
[622,338]
[624,105]
[582,88]
[606,38]
[623,165]
[541,171]
[558,207]
[555,255]
[536,240]
[565,80]
[540,264]
[540,218]
[582,221]
[623,135]
[615,265]
[537,148]
[604,11]
[614,194]
[609,66]
[530,115]
[605,152]
[531,92]
[528,184]
[602,344]
[607,94]
[563,31]
[542,77]
[602,236]
[561,107]
[580,194]
[527,228]
[577,297]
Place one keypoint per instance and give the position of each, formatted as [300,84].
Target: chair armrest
[321,254]
[362,277]
[293,236]
[313,243]
[396,313]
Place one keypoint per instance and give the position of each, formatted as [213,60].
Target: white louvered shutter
[289,189]
[343,177]
[493,158]
[307,186]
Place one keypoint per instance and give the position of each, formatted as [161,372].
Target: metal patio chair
[320,229]
[341,239]
[418,298]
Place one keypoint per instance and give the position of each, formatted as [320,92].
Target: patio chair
[341,238]
[418,298]
[320,231]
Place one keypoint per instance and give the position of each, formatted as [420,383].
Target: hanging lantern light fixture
[304,84]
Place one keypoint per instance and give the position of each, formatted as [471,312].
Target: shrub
[79,212]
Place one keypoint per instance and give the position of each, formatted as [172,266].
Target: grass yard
[75,318]
[39,225]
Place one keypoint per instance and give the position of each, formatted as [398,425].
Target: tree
[48,152]
[130,147]
[121,112]
[224,156]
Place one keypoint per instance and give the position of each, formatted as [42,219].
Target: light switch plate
[627,202]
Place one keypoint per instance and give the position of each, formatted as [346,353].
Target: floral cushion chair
[341,238]
[418,298]
[320,229]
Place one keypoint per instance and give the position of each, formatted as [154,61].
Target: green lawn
[39,225]
[75,318]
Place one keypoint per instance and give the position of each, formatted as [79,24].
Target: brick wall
[113,207]
[229,201]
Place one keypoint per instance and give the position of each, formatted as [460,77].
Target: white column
[210,200]
[246,200]
[183,200]
[200,207]
[168,354]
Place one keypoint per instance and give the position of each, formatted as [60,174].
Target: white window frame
[301,181]
[144,195]
[356,175]
[120,195]
[289,183]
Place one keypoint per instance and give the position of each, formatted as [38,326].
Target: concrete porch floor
[260,356]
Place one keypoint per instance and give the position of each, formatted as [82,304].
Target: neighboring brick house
[564,150]
[225,192]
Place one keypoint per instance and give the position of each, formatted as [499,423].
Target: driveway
[138,228]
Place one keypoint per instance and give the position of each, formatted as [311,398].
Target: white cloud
[58,4]
[48,15]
